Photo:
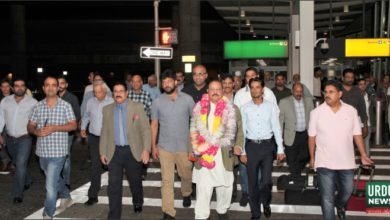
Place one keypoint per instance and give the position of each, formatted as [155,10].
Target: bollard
[378,132]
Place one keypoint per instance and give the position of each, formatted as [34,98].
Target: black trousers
[298,153]
[123,159]
[260,156]
[96,169]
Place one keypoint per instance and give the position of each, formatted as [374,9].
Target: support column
[189,32]
[306,24]
[177,65]
[18,36]
[293,50]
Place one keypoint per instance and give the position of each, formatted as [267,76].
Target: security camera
[324,47]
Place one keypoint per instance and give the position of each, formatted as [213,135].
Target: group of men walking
[201,131]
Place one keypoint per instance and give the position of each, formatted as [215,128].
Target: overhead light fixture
[65,73]
[254,34]
[242,13]
[346,8]
[39,70]
[337,19]
[251,29]
[248,22]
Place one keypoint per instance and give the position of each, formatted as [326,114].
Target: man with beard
[294,118]
[51,120]
[171,112]
[331,149]
[16,109]
[353,96]
[124,146]
[280,90]
[70,98]
[213,131]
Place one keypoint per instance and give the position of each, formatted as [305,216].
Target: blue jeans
[55,184]
[329,181]
[20,149]
[244,177]
[67,167]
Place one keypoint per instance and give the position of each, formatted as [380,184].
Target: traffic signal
[168,37]
[165,37]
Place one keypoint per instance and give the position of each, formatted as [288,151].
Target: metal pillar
[375,67]
[306,25]
[378,132]
[190,30]
[176,49]
[18,30]
[156,42]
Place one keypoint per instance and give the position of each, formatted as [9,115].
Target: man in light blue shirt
[93,116]
[260,120]
[151,87]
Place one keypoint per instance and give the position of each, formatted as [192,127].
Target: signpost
[156,53]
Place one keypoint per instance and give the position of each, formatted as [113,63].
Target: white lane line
[277,174]
[377,157]
[377,149]
[284,209]
[80,195]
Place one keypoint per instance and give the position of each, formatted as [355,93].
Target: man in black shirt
[69,97]
[353,96]
[198,88]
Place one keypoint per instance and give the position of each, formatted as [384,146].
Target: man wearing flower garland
[260,121]
[213,128]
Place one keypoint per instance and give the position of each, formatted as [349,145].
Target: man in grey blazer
[125,143]
[294,119]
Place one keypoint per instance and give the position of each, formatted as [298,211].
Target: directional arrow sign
[156,52]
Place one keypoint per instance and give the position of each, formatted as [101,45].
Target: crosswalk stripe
[376,149]
[80,195]
[277,174]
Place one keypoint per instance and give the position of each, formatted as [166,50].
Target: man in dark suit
[125,143]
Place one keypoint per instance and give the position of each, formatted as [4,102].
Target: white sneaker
[64,204]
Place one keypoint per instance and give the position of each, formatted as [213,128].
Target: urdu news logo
[378,197]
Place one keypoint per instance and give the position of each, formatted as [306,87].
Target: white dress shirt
[16,115]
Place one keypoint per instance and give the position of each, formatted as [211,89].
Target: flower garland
[204,143]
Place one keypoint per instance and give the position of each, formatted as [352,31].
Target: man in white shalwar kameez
[213,129]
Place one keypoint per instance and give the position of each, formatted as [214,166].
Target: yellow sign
[373,47]
[188,59]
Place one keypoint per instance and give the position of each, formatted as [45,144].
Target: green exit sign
[253,49]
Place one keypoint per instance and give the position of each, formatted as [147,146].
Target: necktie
[121,134]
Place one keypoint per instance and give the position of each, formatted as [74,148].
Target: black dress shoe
[27,186]
[91,201]
[18,200]
[187,201]
[244,200]
[267,211]
[341,213]
[166,216]
[137,209]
